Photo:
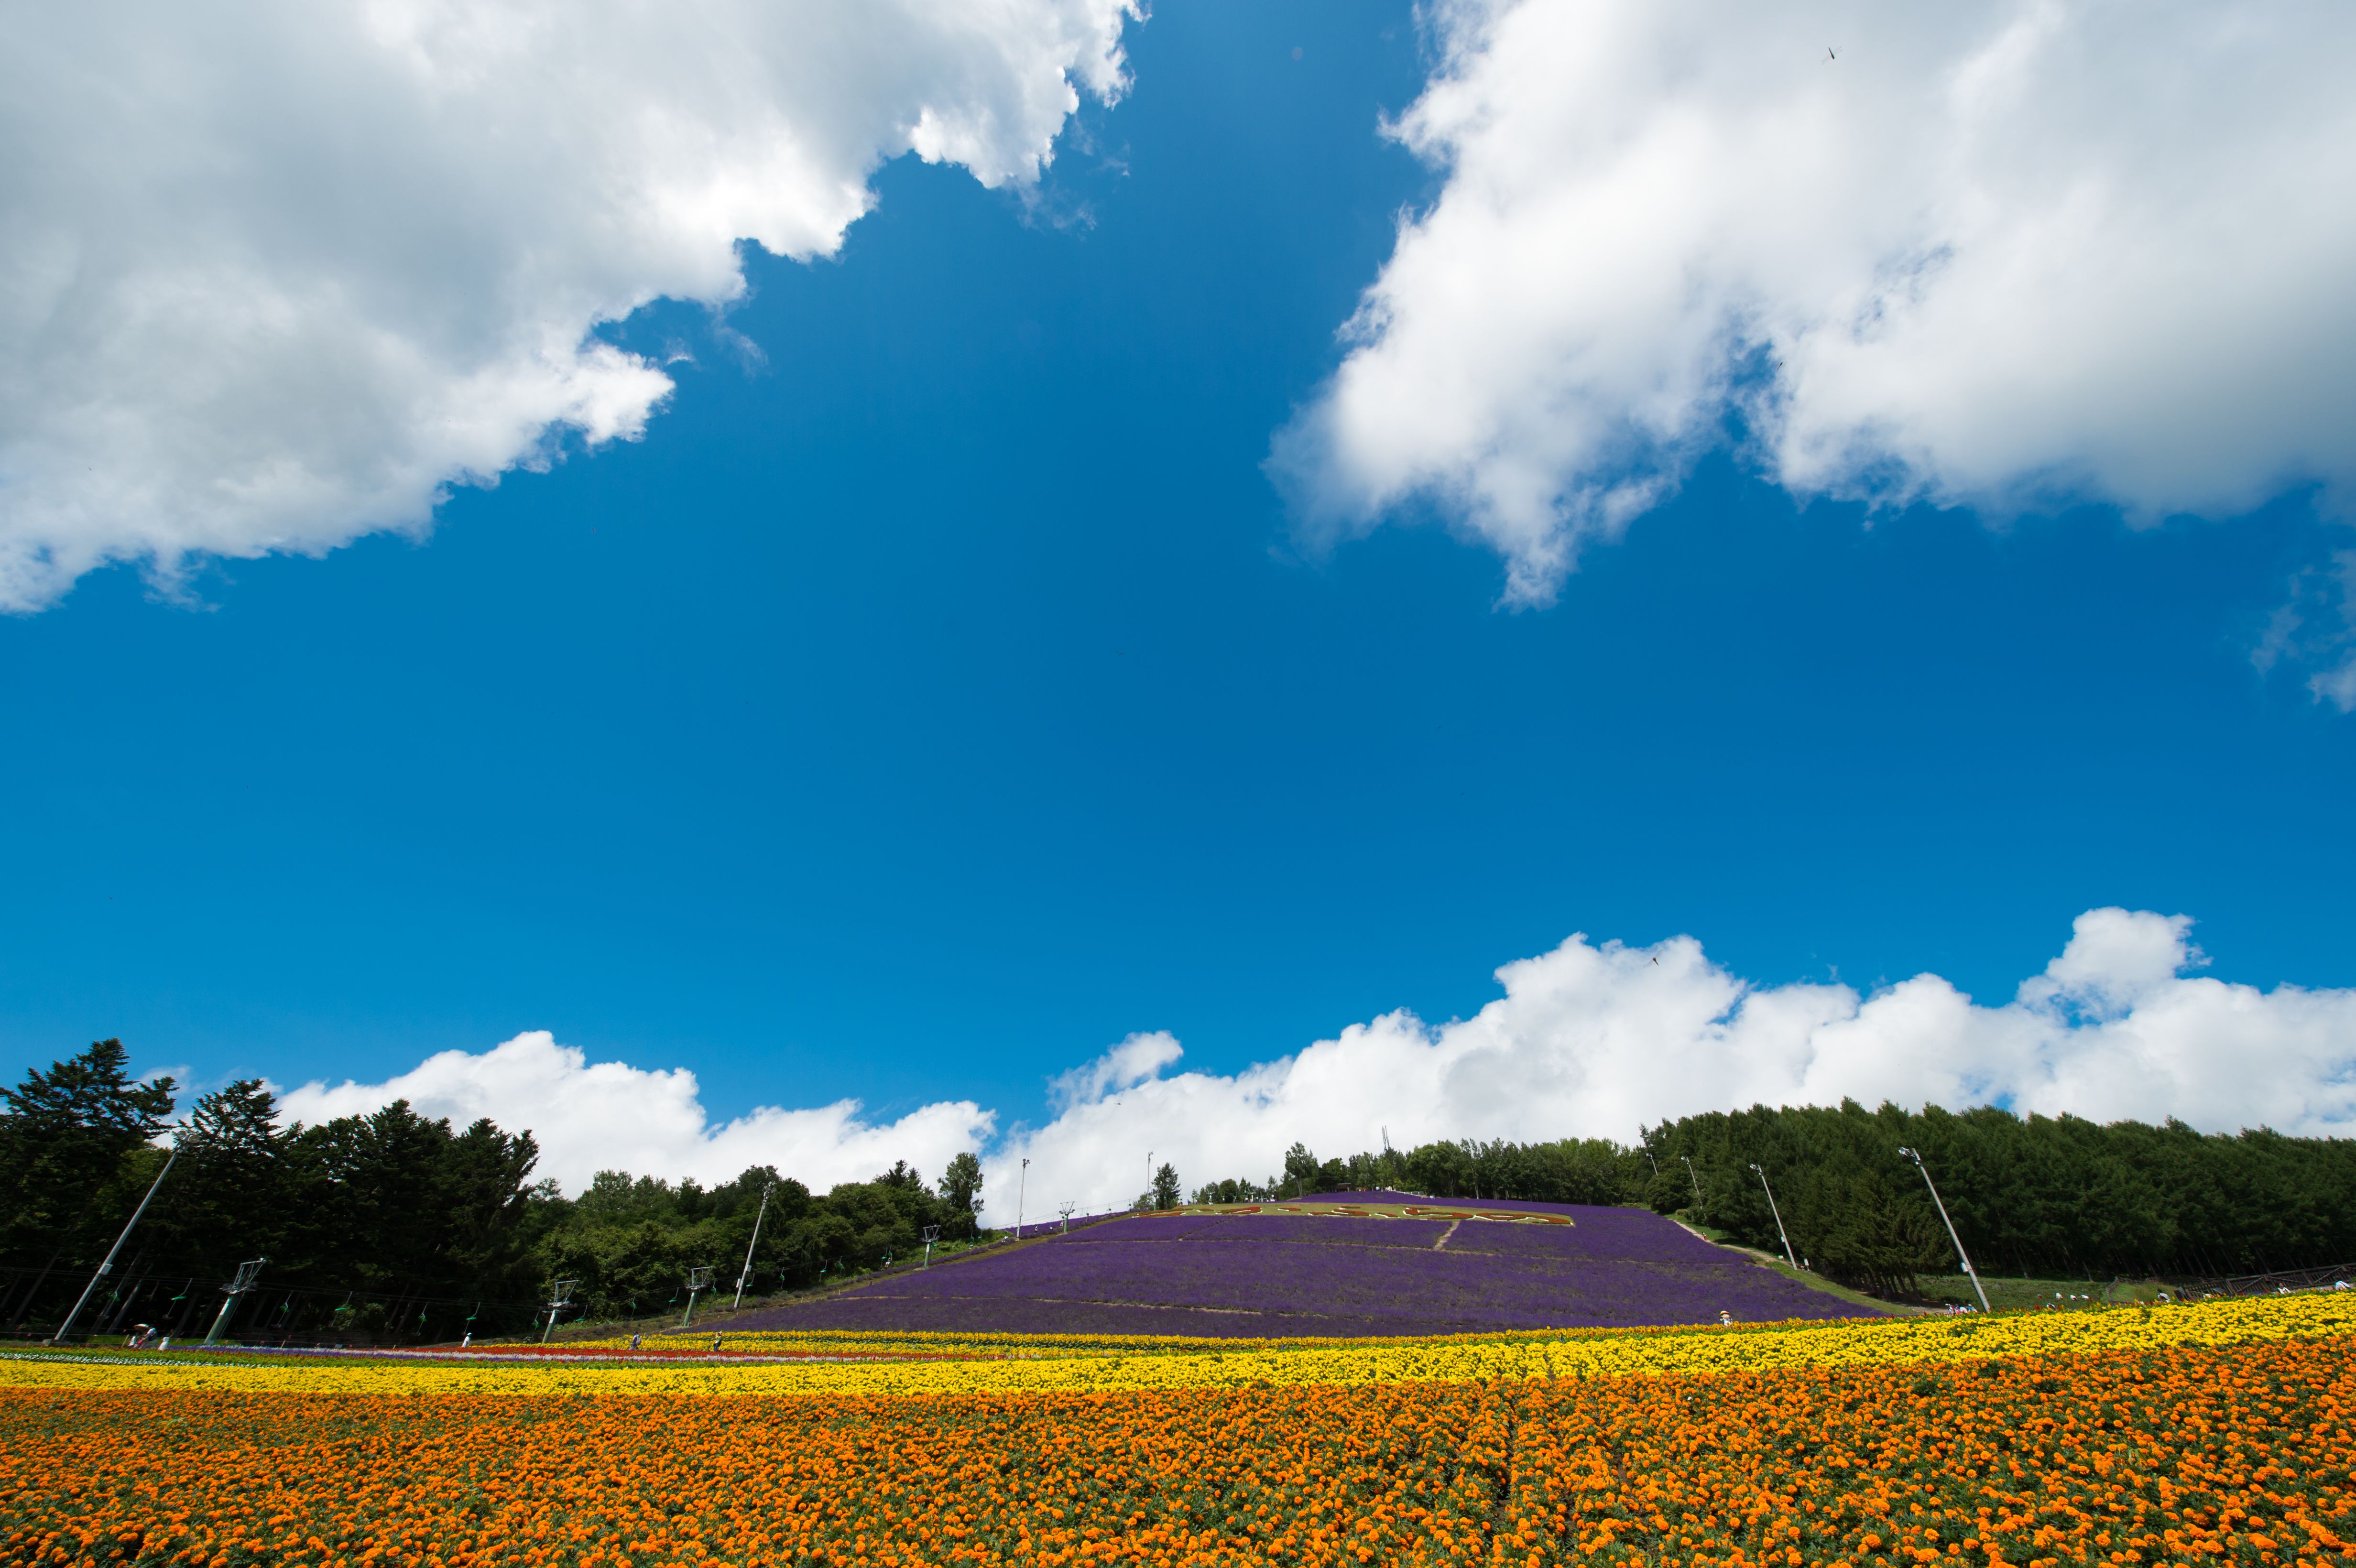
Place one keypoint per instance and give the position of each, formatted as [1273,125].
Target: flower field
[1337,1268]
[2212,1433]
[854,1365]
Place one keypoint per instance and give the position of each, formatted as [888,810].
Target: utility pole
[560,1296]
[1779,1217]
[699,1280]
[1960,1254]
[745,1277]
[247,1273]
[1021,1182]
[108,1267]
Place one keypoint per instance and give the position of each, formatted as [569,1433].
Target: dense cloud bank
[273,276]
[1589,1039]
[1993,255]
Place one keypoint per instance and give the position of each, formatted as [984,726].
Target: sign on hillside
[1365,1211]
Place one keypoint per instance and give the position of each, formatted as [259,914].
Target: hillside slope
[1277,1270]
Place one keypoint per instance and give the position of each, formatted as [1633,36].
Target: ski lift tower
[1063,1210]
[560,1296]
[248,1273]
[699,1280]
[932,1234]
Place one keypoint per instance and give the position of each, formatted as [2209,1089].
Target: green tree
[491,1204]
[961,1182]
[1166,1187]
[64,1136]
[235,1188]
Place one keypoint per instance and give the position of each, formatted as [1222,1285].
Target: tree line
[394,1225]
[2039,1195]
[389,1224]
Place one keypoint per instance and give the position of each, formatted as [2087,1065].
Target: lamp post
[1966,1257]
[1779,1217]
[1696,1178]
[745,1277]
[1022,1185]
[1149,1174]
[108,1267]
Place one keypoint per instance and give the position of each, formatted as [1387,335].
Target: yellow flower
[890,1365]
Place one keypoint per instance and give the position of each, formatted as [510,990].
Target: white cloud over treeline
[1589,1039]
[608,1115]
[1995,255]
[274,275]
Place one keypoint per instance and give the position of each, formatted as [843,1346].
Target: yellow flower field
[1086,1367]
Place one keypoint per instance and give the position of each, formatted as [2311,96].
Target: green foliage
[388,1202]
[2036,1195]
[630,1242]
[63,1139]
[1166,1187]
[961,1183]
[2039,1195]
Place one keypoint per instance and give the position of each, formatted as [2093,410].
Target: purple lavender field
[1259,1276]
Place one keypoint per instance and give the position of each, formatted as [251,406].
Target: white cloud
[1588,1041]
[2318,628]
[611,1116]
[1990,255]
[272,276]
[1596,1041]
[1133,1061]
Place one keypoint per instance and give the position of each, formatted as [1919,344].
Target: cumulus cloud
[1133,1061]
[273,276]
[1995,255]
[1598,1039]
[1589,1039]
[609,1115]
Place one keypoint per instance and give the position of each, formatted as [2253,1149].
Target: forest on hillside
[2046,1196]
[393,1225]
[389,1225]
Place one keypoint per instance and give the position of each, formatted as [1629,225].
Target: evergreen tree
[64,1138]
[961,1182]
[235,1192]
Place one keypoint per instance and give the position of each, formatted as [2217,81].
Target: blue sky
[940,690]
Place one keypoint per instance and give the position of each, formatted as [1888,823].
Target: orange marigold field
[2241,1453]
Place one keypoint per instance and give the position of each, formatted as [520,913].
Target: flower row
[1084,1369]
[2237,1454]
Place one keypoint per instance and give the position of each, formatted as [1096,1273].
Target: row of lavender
[1268,1274]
